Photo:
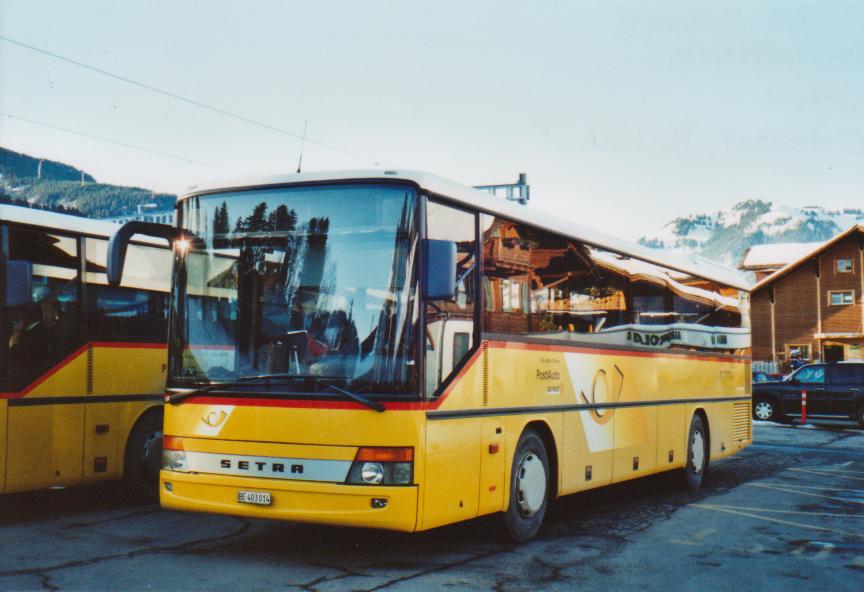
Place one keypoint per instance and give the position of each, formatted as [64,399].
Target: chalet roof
[851,231]
[774,256]
[690,264]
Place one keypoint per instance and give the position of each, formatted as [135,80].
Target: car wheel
[697,455]
[144,458]
[529,487]
[765,410]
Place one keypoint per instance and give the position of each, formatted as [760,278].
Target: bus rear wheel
[143,458]
[697,454]
[529,488]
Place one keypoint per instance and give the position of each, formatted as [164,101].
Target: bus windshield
[313,285]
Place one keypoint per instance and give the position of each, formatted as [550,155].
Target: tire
[697,455]
[529,488]
[765,409]
[143,459]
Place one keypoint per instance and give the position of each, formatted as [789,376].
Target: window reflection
[542,285]
[450,324]
[43,332]
[137,310]
[309,281]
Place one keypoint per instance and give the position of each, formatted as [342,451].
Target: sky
[624,115]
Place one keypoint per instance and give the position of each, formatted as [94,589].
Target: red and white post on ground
[803,407]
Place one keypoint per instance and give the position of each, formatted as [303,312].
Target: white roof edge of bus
[695,265]
[65,222]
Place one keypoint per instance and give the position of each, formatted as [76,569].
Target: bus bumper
[300,501]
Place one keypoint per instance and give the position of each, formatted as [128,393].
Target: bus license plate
[261,498]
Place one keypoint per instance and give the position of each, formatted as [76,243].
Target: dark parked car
[833,390]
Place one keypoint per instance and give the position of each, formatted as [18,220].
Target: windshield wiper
[200,391]
[355,397]
[324,380]
[254,377]
[241,381]
[244,380]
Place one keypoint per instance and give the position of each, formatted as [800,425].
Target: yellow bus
[393,350]
[82,363]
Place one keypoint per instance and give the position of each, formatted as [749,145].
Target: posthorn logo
[215,418]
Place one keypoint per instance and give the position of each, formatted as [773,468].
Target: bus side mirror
[18,279]
[119,242]
[439,269]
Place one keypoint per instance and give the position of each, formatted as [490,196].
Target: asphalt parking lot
[786,514]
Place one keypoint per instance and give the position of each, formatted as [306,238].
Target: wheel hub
[530,484]
[763,410]
[697,451]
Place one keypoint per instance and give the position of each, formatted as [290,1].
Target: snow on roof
[775,255]
[694,265]
[635,269]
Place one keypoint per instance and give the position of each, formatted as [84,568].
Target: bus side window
[547,286]
[47,329]
[126,314]
[137,310]
[450,324]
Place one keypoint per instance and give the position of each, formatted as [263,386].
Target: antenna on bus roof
[302,144]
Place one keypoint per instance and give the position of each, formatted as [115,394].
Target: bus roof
[56,220]
[65,222]
[468,196]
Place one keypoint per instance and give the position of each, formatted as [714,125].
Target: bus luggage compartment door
[45,446]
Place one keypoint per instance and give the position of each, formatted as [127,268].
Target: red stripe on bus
[72,357]
[313,404]
[433,405]
[299,403]
[128,345]
[616,352]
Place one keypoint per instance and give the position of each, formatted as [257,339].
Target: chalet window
[801,351]
[844,266]
[842,298]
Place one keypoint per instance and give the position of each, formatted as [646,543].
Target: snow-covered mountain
[724,235]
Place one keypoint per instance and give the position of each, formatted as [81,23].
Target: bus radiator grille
[741,421]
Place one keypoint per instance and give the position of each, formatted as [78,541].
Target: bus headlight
[174,454]
[174,460]
[372,473]
[382,466]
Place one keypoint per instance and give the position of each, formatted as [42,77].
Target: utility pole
[39,170]
[520,191]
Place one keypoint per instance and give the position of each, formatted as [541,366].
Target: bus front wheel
[529,487]
[144,458]
[697,454]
